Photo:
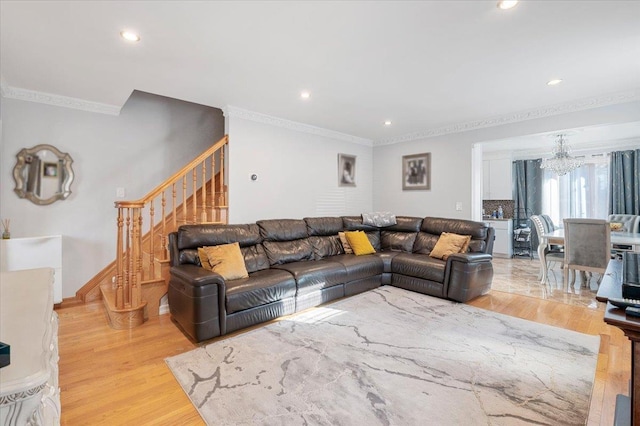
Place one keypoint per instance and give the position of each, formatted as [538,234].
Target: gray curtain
[624,181]
[527,192]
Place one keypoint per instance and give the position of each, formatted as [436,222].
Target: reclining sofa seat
[296,264]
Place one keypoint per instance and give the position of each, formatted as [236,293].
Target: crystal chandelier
[561,163]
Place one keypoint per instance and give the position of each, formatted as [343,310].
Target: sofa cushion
[406,224]
[194,236]
[359,243]
[419,266]
[354,223]
[258,289]
[360,267]
[315,275]
[226,260]
[397,241]
[280,252]
[449,243]
[325,246]
[282,229]
[323,226]
[255,258]
[432,227]
[425,242]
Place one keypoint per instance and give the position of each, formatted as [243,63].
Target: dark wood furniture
[627,407]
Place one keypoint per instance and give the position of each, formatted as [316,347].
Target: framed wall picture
[416,172]
[346,170]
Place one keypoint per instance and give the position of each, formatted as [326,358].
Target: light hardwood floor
[119,377]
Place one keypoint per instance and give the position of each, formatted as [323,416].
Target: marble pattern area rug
[393,357]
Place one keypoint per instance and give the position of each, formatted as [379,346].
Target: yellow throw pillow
[448,244]
[465,247]
[204,259]
[359,243]
[227,260]
[345,243]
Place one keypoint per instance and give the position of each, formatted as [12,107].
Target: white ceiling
[423,65]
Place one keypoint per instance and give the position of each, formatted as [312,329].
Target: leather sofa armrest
[469,258]
[197,301]
[197,276]
[467,276]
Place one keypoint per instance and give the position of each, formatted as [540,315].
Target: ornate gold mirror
[43,174]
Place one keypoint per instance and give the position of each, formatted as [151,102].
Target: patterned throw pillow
[345,243]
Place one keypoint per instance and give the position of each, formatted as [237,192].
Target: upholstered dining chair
[587,247]
[630,222]
[551,254]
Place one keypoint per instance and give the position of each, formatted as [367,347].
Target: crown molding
[531,114]
[235,112]
[58,100]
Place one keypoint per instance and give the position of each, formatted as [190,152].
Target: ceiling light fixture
[387,123]
[561,163]
[305,95]
[130,36]
[506,4]
[554,82]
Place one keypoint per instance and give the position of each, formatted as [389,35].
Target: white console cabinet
[503,244]
[17,254]
[29,392]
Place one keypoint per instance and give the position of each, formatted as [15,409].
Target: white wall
[152,138]
[453,175]
[297,173]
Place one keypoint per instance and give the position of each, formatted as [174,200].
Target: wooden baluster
[127,283]
[119,262]
[203,203]
[212,189]
[184,199]
[194,203]
[222,201]
[174,212]
[137,256]
[163,237]
[152,237]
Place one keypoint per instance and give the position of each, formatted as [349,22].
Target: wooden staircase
[131,287]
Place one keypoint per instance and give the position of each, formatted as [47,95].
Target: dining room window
[581,193]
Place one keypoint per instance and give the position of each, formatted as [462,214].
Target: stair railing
[197,194]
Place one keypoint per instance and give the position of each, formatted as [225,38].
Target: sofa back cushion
[285,240]
[432,227]
[282,229]
[323,236]
[402,235]
[280,252]
[354,223]
[323,226]
[194,236]
[190,237]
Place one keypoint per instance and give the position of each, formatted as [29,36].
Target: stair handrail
[177,175]
[130,239]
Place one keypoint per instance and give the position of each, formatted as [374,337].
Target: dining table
[621,241]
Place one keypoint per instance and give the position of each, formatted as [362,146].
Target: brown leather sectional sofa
[296,264]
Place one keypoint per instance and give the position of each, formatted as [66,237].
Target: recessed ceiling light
[387,123]
[554,82]
[129,36]
[507,4]
[305,95]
